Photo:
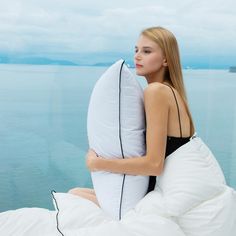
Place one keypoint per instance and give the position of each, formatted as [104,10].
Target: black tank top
[172,144]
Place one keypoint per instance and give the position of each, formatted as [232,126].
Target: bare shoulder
[157,91]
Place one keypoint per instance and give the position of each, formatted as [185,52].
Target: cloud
[70,26]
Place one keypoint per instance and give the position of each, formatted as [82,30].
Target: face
[148,58]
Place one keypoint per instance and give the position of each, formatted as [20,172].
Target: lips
[138,65]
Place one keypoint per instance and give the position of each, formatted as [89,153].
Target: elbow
[158,170]
[155,169]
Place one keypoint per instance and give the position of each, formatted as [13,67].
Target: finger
[93,152]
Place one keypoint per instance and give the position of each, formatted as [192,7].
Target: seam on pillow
[121,146]
[57,208]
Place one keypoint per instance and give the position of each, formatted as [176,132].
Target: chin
[140,73]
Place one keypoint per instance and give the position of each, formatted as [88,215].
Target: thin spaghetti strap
[177,109]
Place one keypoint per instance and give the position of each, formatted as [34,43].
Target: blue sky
[99,31]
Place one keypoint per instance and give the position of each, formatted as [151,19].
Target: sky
[97,31]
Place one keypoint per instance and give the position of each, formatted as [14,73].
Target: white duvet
[191,198]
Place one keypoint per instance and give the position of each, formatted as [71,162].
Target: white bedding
[192,202]
[78,216]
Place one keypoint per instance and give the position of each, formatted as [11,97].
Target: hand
[91,160]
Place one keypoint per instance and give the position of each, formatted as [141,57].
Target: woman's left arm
[156,103]
[131,166]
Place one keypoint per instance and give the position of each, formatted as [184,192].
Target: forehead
[144,41]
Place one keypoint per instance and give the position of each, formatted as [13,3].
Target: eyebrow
[146,47]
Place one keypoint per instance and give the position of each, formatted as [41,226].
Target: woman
[169,124]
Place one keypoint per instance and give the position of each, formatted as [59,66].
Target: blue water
[43,138]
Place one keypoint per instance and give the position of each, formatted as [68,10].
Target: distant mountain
[35,61]
[232,69]
[4,59]
[102,64]
[128,63]
[105,59]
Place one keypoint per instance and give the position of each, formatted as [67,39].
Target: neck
[156,77]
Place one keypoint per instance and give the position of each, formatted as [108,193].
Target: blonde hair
[173,74]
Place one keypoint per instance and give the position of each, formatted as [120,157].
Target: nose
[137,56]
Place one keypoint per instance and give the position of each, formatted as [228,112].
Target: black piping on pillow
[120,138]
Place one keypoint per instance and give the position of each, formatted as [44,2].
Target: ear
[165,62]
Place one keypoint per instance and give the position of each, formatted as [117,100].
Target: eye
[147,51]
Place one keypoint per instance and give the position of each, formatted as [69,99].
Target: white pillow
[215,217]
[116,129]
[75,212]
[191,176]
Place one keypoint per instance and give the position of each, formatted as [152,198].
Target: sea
[43,136]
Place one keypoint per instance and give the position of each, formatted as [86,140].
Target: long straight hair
[173,73]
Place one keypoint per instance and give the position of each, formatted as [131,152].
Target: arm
[156,108]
